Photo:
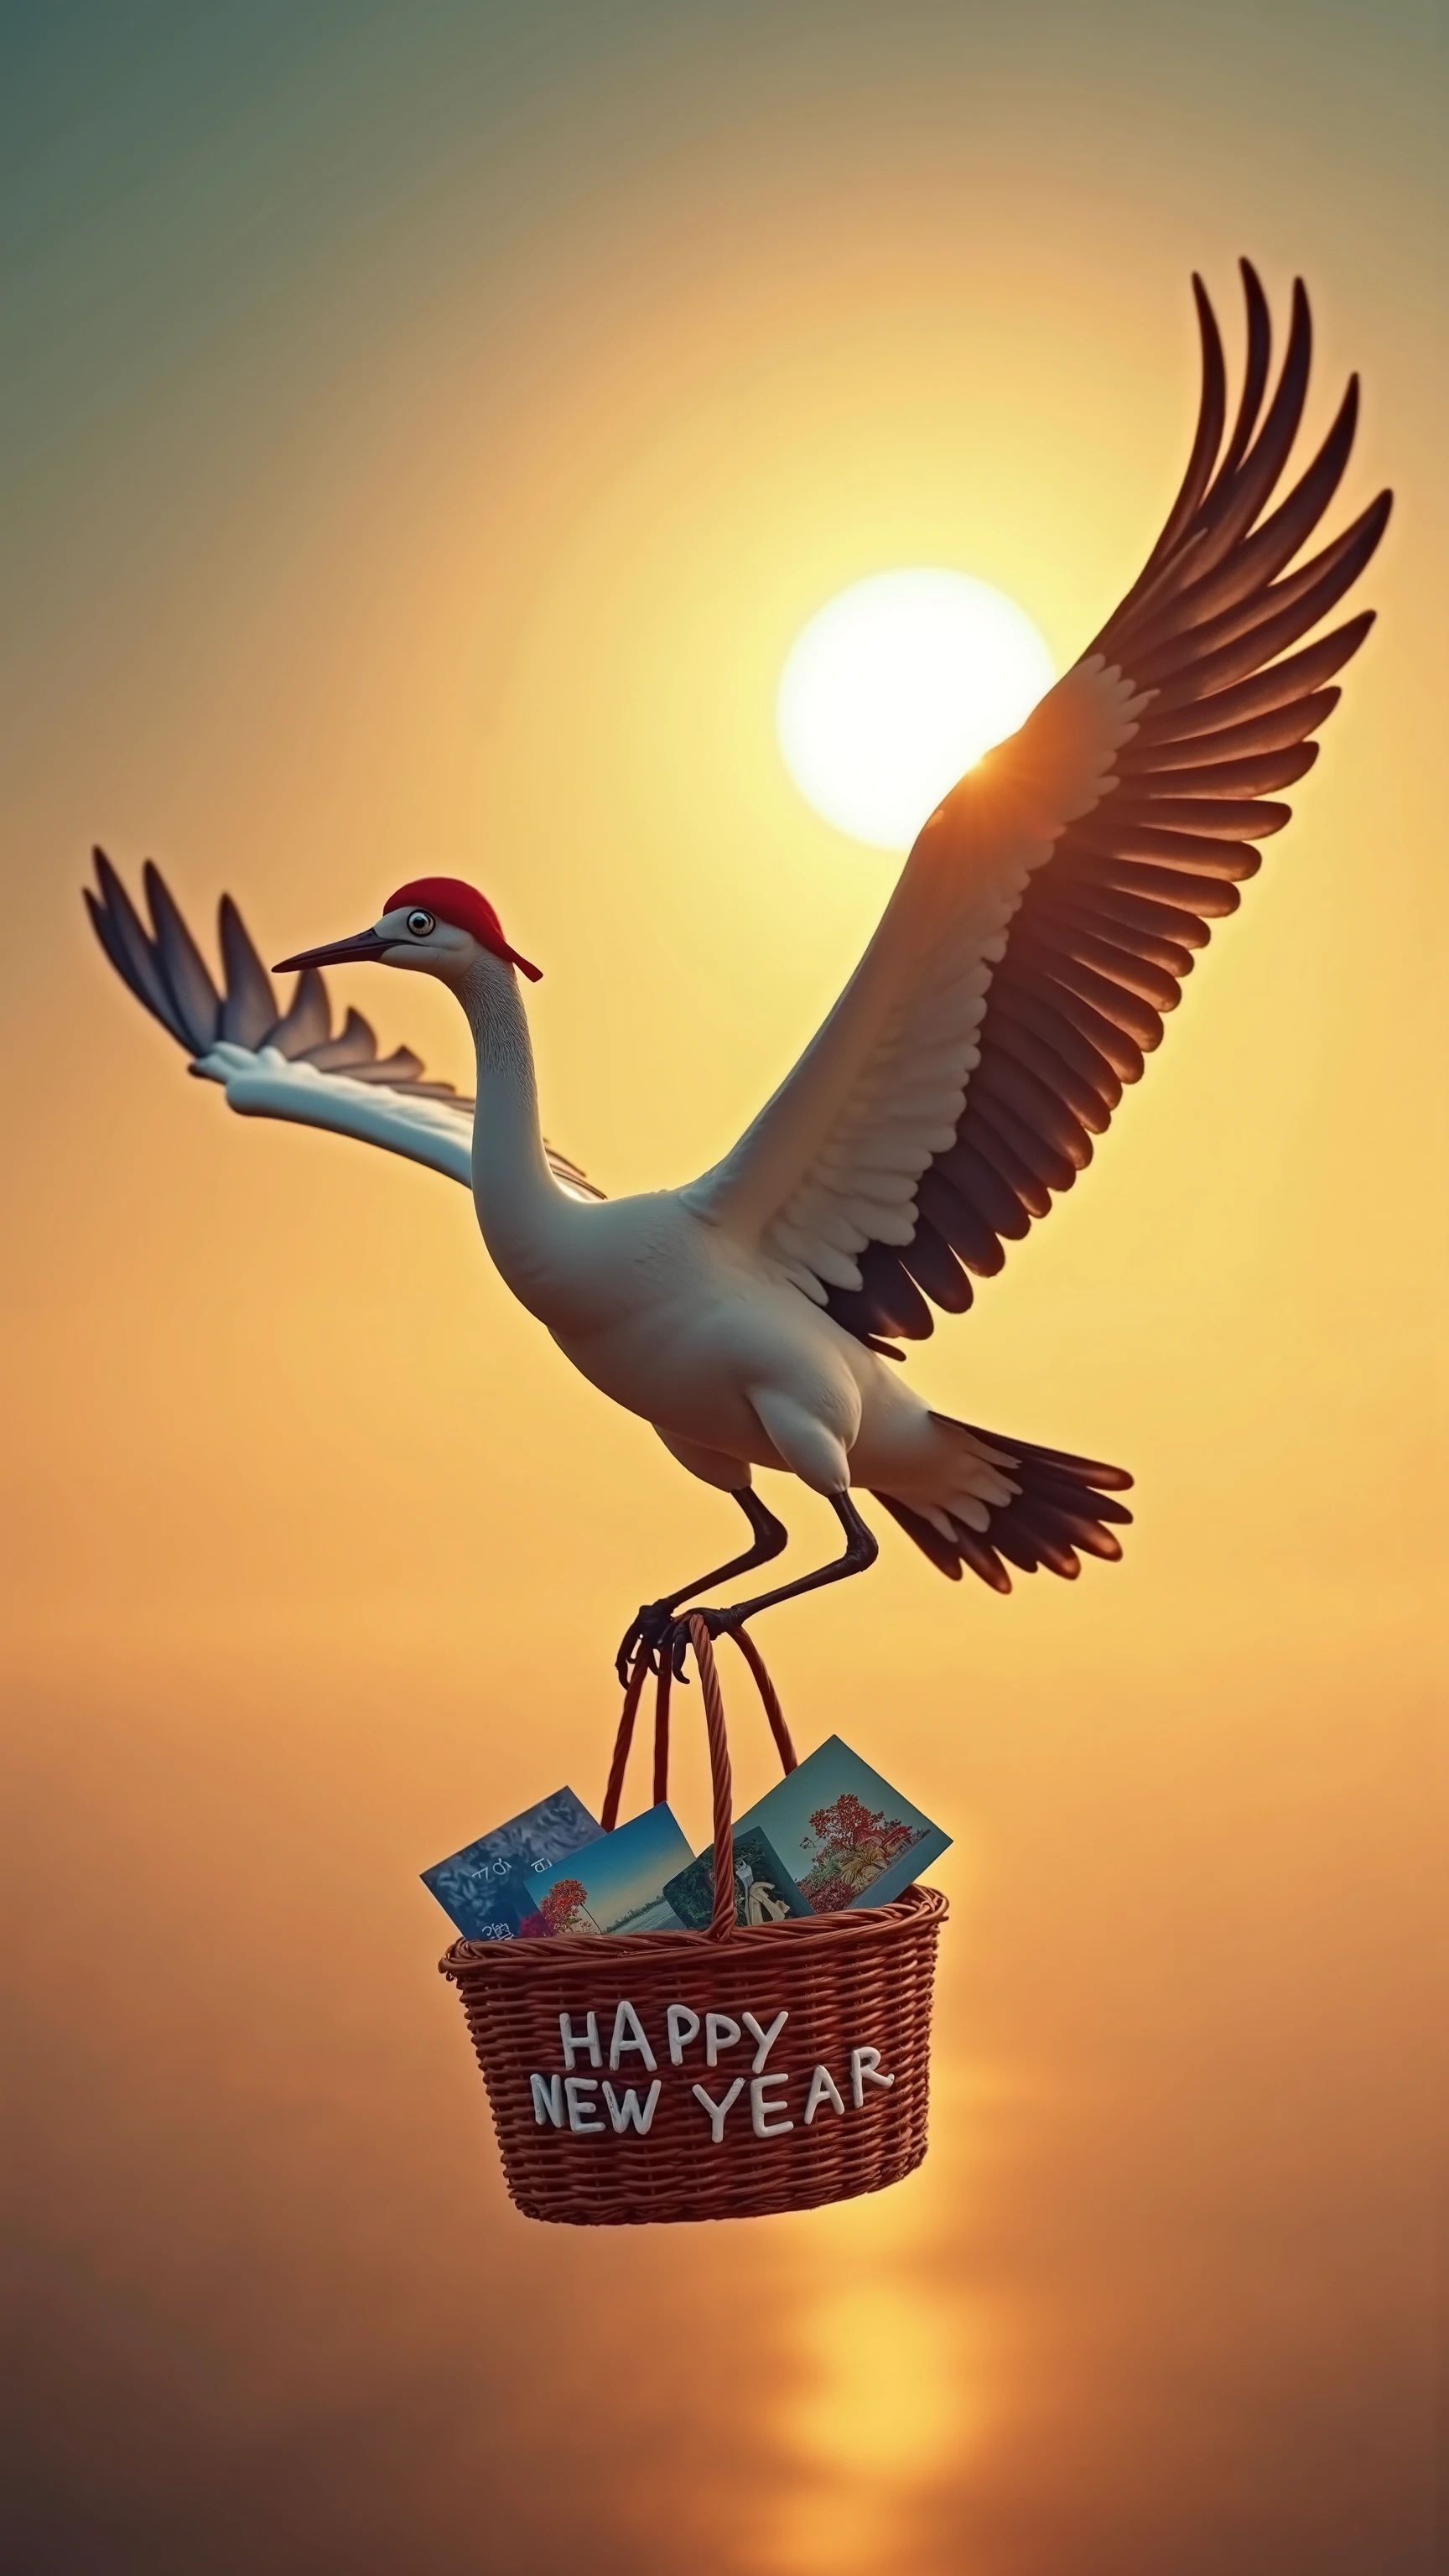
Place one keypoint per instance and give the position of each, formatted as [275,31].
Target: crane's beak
[343,952]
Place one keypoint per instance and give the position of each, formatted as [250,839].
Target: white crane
[1042,925]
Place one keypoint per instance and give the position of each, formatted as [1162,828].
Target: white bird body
[663,1304]
[736,1371]
[1041,927]
[684,1306]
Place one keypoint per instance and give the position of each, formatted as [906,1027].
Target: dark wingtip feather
[249,1006]
[122,935]
[187,978]
[1255,370]
[1202,459]
[1346,639]
[1212,412]
[113,892]
[101,925]
[308,1020]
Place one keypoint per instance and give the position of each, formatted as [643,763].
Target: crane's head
[436,925]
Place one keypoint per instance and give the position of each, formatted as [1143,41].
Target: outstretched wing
[284,1064]
[1049,910]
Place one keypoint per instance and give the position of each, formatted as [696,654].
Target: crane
[1042,926]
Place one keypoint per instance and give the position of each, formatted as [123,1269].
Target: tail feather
[1089,1471]
[1060,1511]
[1059,1494]
[983,1560]
[944,1553]
[1045,1543]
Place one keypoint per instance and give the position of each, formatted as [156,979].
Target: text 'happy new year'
[589,2106]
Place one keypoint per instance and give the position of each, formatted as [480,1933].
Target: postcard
[764,1890]
[846,1837]
[613,1885]
[483,1887]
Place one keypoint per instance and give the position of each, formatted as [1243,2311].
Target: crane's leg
[656,1618]
[861,1550]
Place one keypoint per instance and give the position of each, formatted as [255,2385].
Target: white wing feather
[832,1162]
[261,1083]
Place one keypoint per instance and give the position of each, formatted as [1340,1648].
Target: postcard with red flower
[844,1834]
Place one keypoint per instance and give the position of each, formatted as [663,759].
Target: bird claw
[660,1631]
[644,1636]
[719,1623]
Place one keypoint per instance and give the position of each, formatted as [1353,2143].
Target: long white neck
[523,1214]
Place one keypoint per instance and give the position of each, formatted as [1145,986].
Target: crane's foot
[720,1623]
[661,1631]
[645,1635]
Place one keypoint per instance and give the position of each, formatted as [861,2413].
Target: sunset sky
[427,429]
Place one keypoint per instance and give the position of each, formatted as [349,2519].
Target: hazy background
[427,427]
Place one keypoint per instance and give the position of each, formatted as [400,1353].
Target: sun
[895,687]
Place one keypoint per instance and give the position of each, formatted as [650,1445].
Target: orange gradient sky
[429,429]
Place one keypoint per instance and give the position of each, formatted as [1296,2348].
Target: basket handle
[722,1921]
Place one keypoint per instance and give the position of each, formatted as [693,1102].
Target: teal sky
[193,193]
[233,234]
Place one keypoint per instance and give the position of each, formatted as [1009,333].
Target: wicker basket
[597,2130]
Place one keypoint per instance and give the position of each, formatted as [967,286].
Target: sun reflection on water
[890,2391]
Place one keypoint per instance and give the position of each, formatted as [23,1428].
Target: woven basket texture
[855,1988]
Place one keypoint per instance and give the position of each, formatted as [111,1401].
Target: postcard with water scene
[484,1887]
[845,1835]
[764,1890]
[613,1885]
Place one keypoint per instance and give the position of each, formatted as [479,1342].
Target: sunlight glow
[895,687]
[890,2396]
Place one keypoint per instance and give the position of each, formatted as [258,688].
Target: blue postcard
[484,1887]
[844,1834]
[615,1884]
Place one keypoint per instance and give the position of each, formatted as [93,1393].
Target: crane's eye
[420,923]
